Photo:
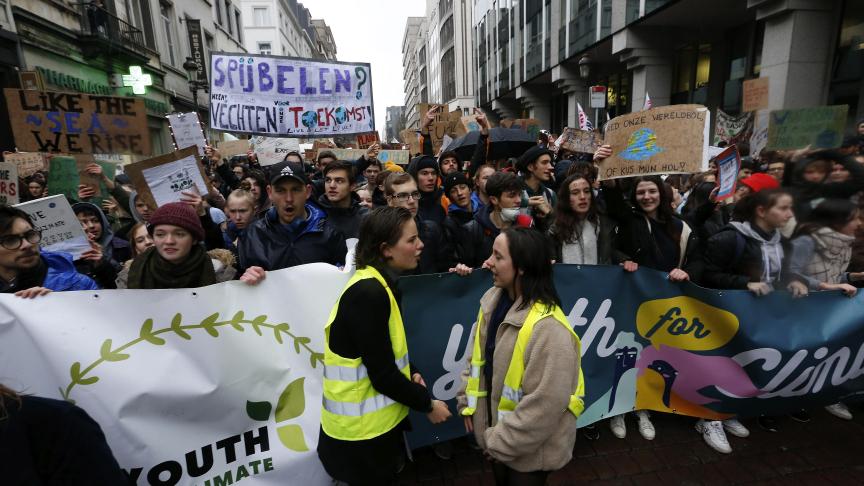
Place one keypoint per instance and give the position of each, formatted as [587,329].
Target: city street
[824,451]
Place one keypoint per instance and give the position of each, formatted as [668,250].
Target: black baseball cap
[288,169]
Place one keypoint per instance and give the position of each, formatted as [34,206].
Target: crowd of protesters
[793,225]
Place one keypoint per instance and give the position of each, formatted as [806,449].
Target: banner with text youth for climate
[223,384]
[290,97]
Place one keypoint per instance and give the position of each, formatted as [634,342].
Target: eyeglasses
[13,242]
[404,196]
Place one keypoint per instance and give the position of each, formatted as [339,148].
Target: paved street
[825,451]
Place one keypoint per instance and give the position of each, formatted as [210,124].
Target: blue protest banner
[648,343]
[291,97]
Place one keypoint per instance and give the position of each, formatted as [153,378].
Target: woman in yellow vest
[524,385]
[369,384]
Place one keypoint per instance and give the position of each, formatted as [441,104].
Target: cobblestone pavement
[825,451]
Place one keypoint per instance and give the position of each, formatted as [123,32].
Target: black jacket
[804,192]
[606,252]
[345,220]
[429,207]
[52,442]
[360,330]
[732,260]
[271,246]
[478,235]
[437,255]
[639,239]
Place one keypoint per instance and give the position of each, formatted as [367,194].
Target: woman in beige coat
[523,390]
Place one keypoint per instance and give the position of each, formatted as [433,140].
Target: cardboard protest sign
[283,96]
[229,148]
[755,96]
[759,137]
[820,128]
[410,138]
[578,141]
[529,125]
[161,180]
[401,157]
[728,165]
[77,123]
[9,188]
[186,130]
[366,140]
[61,231]
[28,162]
[732,129]
[469,123]
[663,140]
[272,150]
[67,172]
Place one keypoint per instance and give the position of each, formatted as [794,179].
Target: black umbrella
[503,143]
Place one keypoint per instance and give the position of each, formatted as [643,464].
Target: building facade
[412,46]
[437,54]
[528,54]
[285,28]
[395,124]
[84,47]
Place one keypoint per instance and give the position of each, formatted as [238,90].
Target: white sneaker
[618,426]
[736,428]
[646,428]
[712,433]
[840,411]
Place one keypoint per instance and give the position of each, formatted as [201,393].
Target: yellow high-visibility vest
[512,392]
[352,409]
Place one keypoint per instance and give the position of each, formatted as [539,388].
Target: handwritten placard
[271,150]
[186,130]
[283,96]
[77,123]
[162,179]
[61,231]
[755,96]
[366,140]
[728,166]
[820,128]
[401,157]
[28,163]
[230,148]
[664,140]
[9,184]
[578,141]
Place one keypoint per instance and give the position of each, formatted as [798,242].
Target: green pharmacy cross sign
[137,80]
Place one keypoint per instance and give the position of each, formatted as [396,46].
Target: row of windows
[231,21]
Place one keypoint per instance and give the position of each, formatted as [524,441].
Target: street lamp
[191,67]
[585,64]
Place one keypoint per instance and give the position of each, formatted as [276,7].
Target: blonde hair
[243,194]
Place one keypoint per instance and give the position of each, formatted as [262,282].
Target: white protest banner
[175,376]
[274,95]
[714,151]
[272,150]
[8,183]
[61,231]
[400,157]
[728,165]
[28,162]
[186,130]
[161,180]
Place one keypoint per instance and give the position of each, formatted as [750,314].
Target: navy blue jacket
[269,244]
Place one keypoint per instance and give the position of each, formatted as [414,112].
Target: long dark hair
[831,213]
[261,181]
[745,209]
[532,255]
[7,395]
[665,214]
[567,225]
[382,225]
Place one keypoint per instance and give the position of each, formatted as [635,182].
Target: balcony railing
[98,23]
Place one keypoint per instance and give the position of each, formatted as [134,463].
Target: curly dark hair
[567,227]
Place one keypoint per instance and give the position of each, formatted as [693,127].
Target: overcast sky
[371,31]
